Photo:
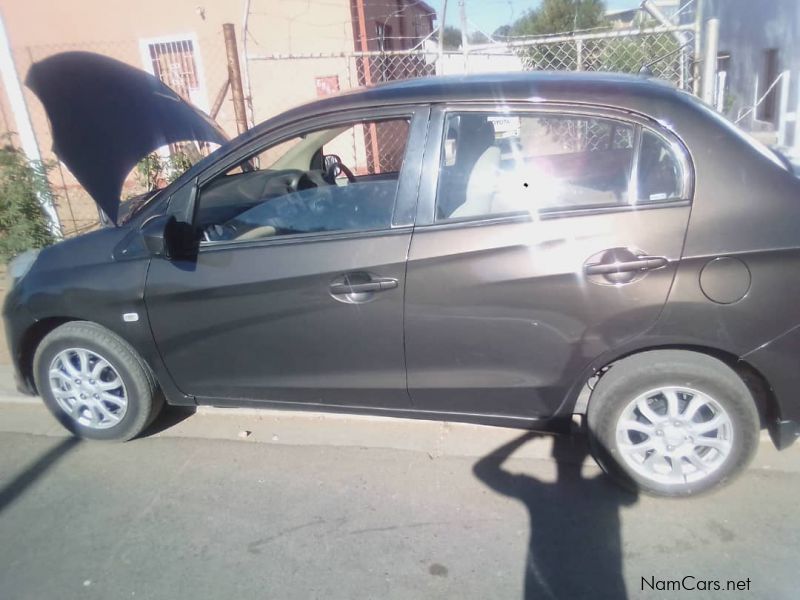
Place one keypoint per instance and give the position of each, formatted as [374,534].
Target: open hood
[106,116]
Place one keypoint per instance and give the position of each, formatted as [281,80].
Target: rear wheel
[673,423]
[95,383]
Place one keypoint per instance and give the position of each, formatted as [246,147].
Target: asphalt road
[178,517]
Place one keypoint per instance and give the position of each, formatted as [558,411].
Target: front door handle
[374,285]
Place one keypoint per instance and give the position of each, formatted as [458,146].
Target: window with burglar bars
[174,63]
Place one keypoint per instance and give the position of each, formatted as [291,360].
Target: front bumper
[17,320]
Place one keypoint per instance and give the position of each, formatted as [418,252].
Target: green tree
[452,37]
[154,171]
[557,16]
[502,31]
[659,50]
[478,37]
[560,16]
[23,224]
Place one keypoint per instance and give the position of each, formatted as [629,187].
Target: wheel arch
[765,400]
[29,342]
[33,336]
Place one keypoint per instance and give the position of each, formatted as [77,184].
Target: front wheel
[95,383]
[672,422]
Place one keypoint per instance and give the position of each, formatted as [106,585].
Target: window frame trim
[429,181]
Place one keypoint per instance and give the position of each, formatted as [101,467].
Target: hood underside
[106,116]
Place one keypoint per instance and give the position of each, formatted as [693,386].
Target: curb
[27,415]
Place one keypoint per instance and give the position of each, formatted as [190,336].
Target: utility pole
[440,62]
[365,59]
[462,7]
[698,46]
[709,80]
[235,77]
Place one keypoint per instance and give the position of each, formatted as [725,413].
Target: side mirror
[164,235]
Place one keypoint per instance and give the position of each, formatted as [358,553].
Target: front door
[296,293]
[551,237]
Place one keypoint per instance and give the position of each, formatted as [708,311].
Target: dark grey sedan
[526,250]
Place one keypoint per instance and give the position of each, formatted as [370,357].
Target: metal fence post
[755,101]
[464,40]
[579,54]
[710,60]
[27,138]
[783,107]
[698,46]
[796,139]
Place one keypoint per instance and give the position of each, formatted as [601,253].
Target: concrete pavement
[258,504]
[202,518]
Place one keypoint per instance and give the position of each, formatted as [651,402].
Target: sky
[488,15]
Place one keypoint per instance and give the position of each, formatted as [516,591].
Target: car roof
[615,89]
[514,85]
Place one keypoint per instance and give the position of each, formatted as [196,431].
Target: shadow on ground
[14,488]
[169,417]
[575,546]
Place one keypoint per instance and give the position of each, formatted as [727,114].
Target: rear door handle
[643,263]
[375,285]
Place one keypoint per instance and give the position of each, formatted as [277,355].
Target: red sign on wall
[327,86]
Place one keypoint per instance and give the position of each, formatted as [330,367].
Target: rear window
[537,163]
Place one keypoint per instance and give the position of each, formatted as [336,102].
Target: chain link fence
[665,52]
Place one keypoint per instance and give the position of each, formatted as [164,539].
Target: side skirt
[554,424]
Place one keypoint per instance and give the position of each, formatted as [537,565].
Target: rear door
[544,238]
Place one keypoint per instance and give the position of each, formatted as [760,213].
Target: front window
[342,178]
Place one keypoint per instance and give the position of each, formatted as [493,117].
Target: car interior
[304,190]
[548,163]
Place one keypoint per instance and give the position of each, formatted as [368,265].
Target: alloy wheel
[88,388]
[674,435]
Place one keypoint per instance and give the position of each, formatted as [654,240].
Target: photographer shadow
[575,546]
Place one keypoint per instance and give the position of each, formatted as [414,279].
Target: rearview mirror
[165,236]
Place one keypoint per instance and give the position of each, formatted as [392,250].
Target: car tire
[95,383]
[672,423]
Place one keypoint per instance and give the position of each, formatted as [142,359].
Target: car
[543,251]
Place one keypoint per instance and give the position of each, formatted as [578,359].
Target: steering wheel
[348,173]
[338,167]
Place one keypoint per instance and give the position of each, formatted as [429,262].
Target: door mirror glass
[165,236]
[154,234]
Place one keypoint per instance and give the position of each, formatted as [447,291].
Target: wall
[747,29]
[40,28]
